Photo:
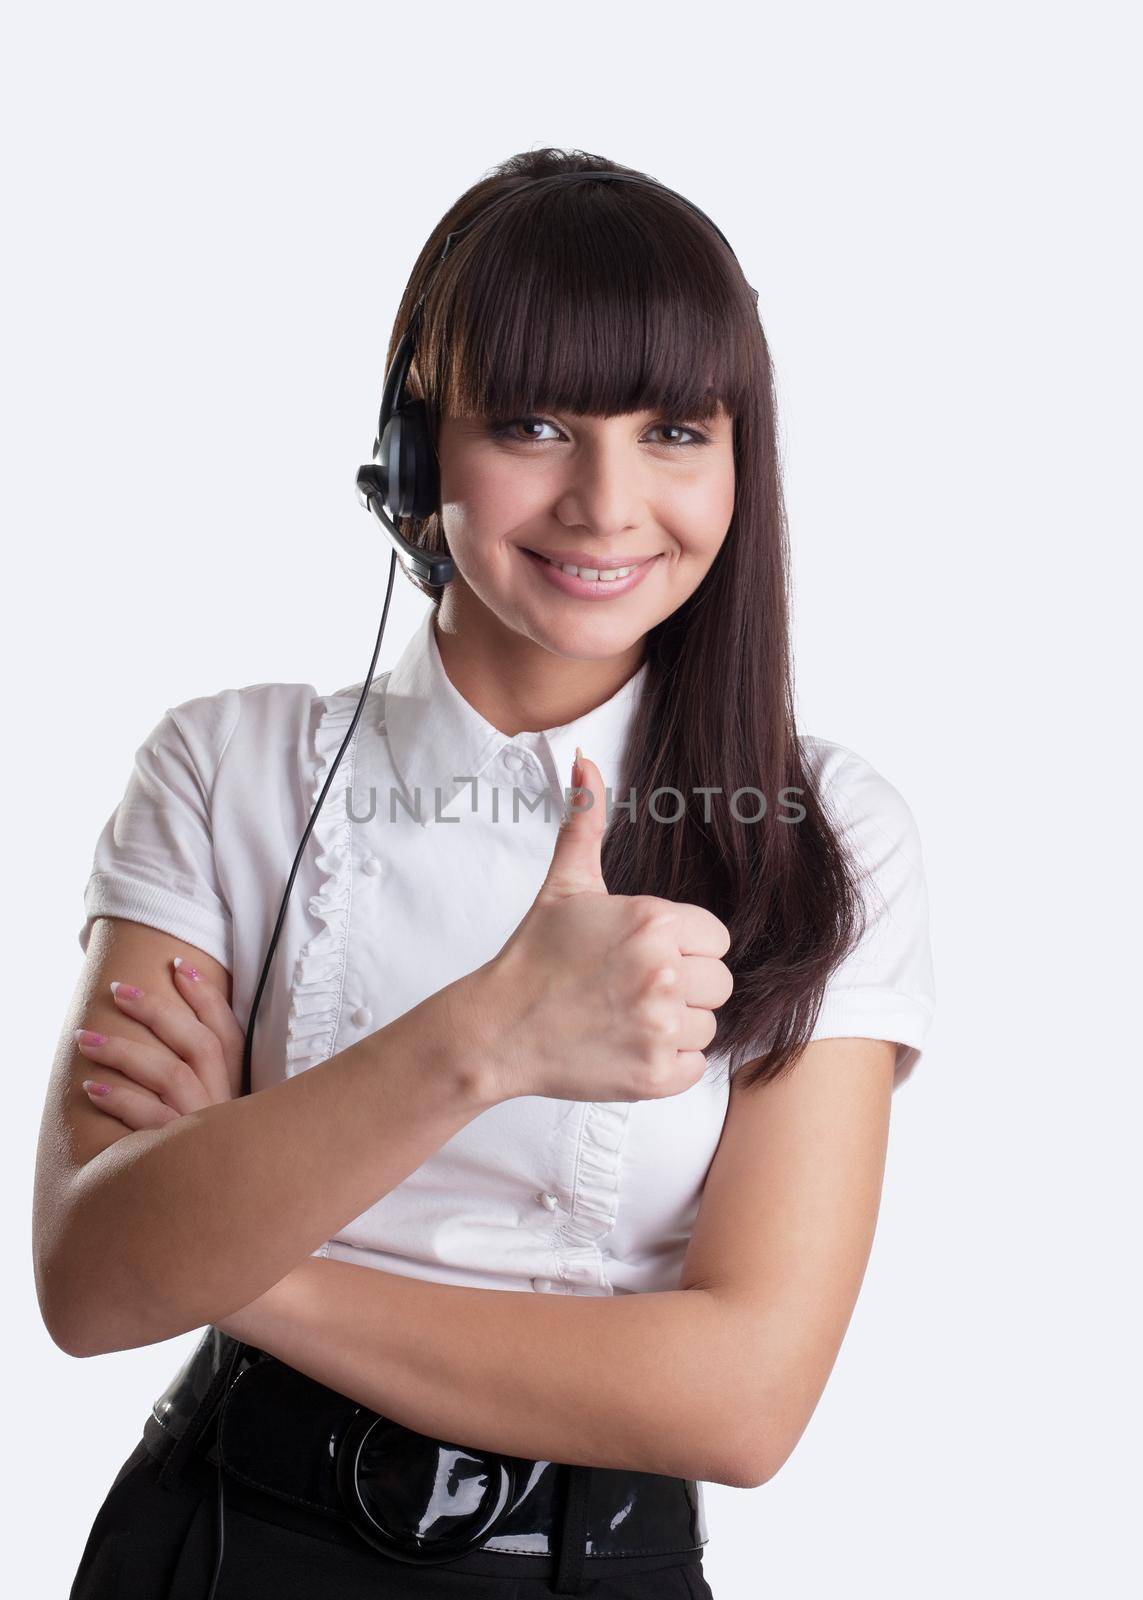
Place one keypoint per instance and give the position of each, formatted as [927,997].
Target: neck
[513,682]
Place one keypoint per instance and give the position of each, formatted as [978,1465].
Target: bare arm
[646,1382]
[142,1235]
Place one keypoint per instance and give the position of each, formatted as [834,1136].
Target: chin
[587,639]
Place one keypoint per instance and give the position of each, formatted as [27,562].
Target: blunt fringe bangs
[578,306]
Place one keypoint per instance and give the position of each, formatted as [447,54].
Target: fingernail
[125,991]
[88,1036]
[95,1088]
[577,769]
[186,970]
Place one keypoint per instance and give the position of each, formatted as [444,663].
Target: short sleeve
[884,989]
[155,859]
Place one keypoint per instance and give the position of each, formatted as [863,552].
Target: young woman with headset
[545,1191]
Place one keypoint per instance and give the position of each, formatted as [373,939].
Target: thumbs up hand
[598,996]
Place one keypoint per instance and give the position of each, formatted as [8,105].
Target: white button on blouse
[535,1194]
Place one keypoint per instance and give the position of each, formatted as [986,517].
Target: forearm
[174,1227]
[640,1381]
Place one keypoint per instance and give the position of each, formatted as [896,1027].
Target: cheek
[698,514]
[720,500]
[485,499]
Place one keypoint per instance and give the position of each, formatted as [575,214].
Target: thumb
[576,861]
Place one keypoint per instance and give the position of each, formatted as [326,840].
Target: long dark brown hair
[605,299]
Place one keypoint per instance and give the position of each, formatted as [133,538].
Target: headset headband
[550,182]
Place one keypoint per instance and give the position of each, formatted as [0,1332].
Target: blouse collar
[435,736]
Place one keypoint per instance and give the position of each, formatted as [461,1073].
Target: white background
[211,212]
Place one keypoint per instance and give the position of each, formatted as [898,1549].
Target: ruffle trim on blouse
[579,1255]
[319,972]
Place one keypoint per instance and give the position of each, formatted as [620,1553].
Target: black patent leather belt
[414,1498]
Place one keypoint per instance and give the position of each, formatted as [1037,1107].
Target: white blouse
[391,904]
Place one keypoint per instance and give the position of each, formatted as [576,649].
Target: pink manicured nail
[95,1088]
[187,971]
[88,1036]
[125,991]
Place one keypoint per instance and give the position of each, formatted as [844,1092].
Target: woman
[638,1056]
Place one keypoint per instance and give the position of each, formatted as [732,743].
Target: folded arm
[649,1382]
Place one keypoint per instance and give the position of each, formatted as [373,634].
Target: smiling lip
[593,561]
[593,589]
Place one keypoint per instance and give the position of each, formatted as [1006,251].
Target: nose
[603,491]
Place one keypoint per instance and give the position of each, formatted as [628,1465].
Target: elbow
[63,1330]
[751,1474]
[69,1322]
[85,1336]
[57,1334]
[749,1452]
[728,1458]
[83,1319]
[740,1472]
[70,1290]
[85,1330]
[71,1347]
[750,1470]
[54,1307]
[74,1332]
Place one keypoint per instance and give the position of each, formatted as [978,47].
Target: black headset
[402,480]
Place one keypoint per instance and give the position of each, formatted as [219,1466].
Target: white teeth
[591,574]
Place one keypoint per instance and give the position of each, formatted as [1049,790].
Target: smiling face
[587,491]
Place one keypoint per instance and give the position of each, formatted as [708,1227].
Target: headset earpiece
[408,461]
[403,479]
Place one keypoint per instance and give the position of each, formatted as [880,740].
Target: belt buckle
[420,1499]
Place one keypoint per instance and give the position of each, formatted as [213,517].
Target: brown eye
[696,437]
[507,429]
